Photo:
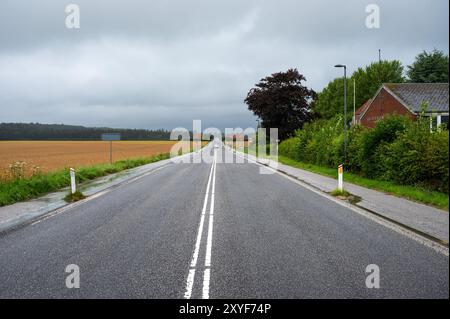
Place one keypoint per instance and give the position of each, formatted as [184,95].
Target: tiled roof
[414,94]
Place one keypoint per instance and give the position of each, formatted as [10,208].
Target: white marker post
[341,177]
[73,183]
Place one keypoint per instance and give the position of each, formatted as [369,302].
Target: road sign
[110,137]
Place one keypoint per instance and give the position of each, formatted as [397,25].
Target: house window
[444,120]
[438,121]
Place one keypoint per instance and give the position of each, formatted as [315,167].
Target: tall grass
[23,188]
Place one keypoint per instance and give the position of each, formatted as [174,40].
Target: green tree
[330,101]
[429,68]
[369,79]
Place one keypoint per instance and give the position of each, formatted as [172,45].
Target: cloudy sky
[160,64]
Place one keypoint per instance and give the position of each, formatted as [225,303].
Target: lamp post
[345,109]
[354,103]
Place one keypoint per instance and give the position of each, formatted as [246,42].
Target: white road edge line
[193,264]
[424,241]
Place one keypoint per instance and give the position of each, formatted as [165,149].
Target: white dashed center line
[206,275]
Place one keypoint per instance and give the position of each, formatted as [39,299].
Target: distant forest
[55,132]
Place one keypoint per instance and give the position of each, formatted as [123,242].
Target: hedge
[397,149]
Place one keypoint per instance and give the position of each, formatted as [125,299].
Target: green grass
[434,198]
[75,197]
[27,188]
[338,192]
[343,194]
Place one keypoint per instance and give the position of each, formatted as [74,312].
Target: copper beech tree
[281,101]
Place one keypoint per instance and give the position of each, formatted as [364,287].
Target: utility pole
[381,82]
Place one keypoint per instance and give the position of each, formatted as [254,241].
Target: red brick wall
[384,104]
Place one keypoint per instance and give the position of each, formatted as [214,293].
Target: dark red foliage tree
[281,101]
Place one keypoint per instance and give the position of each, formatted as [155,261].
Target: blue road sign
[111,137]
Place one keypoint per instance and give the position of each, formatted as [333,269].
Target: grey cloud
[163,63]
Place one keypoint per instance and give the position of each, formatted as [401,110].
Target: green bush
[354,146]
[290,148]
[397,149]
[419,157]
[374,143]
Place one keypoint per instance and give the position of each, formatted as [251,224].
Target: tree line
[43,132]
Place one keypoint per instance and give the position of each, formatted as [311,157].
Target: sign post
[73,184]
[341,177]
[110,137]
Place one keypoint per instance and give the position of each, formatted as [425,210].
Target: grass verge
[337,192]
[421,195]
[27,188]
[344,195]
[75,197]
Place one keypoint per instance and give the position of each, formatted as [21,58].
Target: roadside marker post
[341,177]
[110,137]
[73,184]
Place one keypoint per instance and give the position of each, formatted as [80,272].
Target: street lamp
[345,109]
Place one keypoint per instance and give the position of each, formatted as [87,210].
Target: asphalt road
[257,236]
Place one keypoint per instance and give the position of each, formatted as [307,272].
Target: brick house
[406,99]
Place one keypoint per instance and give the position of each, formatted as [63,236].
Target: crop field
[31,157]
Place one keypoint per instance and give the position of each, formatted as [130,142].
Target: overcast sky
[160,64]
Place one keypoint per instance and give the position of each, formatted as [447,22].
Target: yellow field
[46,156]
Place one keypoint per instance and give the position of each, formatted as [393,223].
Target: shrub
[337,150]
[419,157]
[374,142]
[397,149]
[354,147]
[290,148]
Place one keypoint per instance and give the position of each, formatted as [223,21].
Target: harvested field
[47,156]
